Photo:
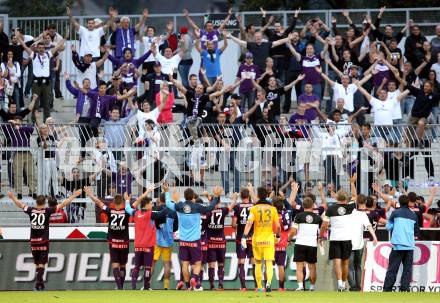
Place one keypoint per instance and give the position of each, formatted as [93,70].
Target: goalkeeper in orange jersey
[264,217]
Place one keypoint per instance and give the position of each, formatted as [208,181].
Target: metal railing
[120,160]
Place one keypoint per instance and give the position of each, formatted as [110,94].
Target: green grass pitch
[90,296]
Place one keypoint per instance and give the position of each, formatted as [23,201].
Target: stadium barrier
[263,154]
[85,264]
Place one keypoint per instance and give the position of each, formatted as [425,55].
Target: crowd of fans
[368,75]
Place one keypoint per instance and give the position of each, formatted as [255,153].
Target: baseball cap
[249,55]
[157,63]
[183,30]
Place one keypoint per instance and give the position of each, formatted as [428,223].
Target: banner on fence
[85,264]
[217,20]
[426,267]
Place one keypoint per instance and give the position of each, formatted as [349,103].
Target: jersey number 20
[37,219]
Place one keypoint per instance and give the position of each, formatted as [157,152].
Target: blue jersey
[404,227]
[165,230]
[188,214]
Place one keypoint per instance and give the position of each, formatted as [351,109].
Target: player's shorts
[165,252]
[216,255]
[143,256]
[190,252]
[40,253]
[204,252]
[339,250]
[304,253]
[244,253]
[280,257]
[118,255]
[266,253]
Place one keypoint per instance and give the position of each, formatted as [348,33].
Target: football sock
[242,275]
[258,275]
[340,284]
[312,287]
[253,274]
[201,275]
[134,277]
[39,283]
[345,284]
[211,274]
[269,272]
[196,278]
[122,273]
[116,275]
[281,284]
[166,283]
[301,285]
[221,274]
[147,277]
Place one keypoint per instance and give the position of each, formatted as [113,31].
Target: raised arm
[66,202]
[142,20]
[234,198]
[197,45]
[403,95]
[363,92]
[322,195]
[365,79]
[294,52]
[251,110]
[390,202]
[355,114]
[225,41]
[58,47]
[72,19]
[324,76]
[17,202]
[359,39]
[238,41]
[20,40]
[294,82]
[89,192]
[425,62]
[179,86]
[112,13]
[101,61]
[281,41]
[334,68]
[223,24]
[256,85]
[32,104]
[190,21]
[432,193]
[321,115]
[293,194]
[141,197]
